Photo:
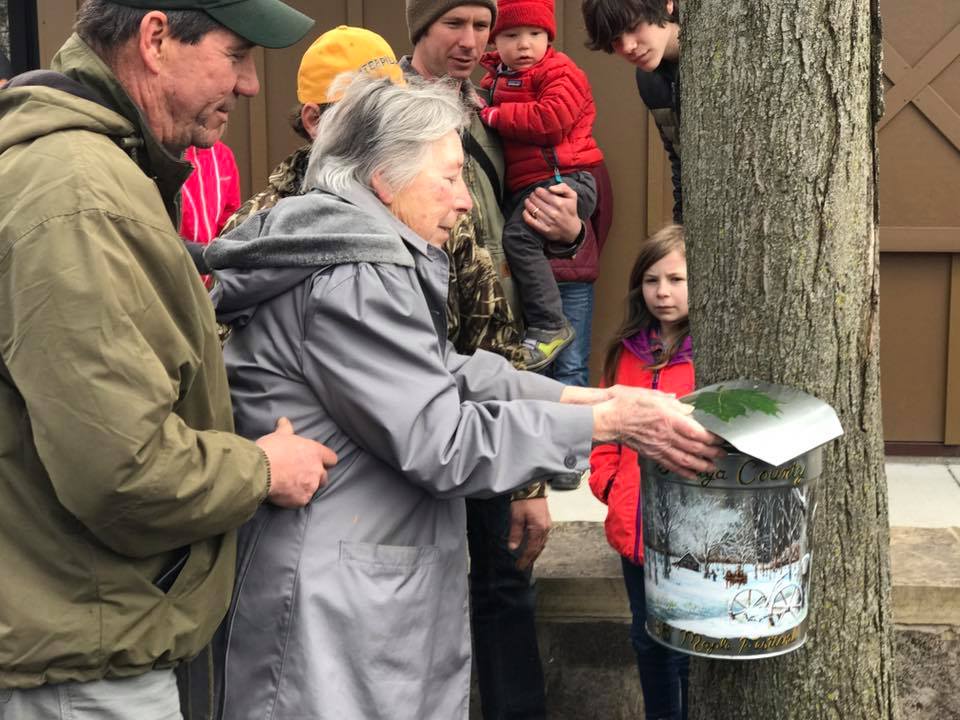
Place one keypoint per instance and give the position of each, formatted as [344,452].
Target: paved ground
[924,493]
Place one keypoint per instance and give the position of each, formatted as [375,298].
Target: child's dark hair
[638,317]
[606,20]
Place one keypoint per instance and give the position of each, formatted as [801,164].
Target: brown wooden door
[920,222]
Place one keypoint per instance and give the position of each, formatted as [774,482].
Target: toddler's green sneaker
[540,347]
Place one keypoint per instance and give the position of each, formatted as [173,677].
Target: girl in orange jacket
[651,349]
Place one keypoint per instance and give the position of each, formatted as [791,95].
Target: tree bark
[779,101]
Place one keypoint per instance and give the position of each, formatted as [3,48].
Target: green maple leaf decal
[728,404]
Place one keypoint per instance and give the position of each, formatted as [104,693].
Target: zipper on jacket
[499,73]
[655,385]
[638,524]
[605,495]
[552,161]
[241,577]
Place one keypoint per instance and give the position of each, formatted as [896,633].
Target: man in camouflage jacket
[448,37]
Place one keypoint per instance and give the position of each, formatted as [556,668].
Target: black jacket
[660,91]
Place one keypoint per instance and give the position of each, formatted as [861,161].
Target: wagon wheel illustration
[747,605]
[787,600]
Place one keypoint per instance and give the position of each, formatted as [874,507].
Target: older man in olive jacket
[121,482]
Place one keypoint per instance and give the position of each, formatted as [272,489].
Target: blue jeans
[664,672]
[502,604]
[570,367]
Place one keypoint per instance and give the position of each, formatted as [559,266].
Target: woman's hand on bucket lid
[657,426]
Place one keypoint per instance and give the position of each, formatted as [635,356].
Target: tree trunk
[779,101]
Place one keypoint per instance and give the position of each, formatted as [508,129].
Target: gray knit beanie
[422,13]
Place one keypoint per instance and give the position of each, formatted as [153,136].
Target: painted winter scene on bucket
[724,562]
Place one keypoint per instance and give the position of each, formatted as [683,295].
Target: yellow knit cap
[343,49]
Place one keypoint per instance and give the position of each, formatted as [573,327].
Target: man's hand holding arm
[297,466]
[102,382]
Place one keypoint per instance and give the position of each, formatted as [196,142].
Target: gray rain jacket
[355,607]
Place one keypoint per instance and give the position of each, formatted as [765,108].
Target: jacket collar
[287,180]
[364,198]
[78,61]
[467,88]
[646,345]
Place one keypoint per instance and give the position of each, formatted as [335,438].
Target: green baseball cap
[269,23]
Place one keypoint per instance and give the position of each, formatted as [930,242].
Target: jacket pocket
[171,571]
[392,602]
[388,559]
[187,567]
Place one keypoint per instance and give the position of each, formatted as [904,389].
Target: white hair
[380,127]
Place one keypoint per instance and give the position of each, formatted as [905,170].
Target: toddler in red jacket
[651,349]
[542,107]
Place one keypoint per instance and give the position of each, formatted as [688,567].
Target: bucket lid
[774,423]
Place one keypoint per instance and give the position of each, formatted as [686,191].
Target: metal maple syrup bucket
[727,555]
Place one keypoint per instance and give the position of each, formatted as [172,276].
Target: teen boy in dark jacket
[645,33]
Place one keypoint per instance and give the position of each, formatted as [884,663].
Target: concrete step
[925,569]
[579,576]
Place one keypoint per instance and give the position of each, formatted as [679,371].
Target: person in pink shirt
[209,196]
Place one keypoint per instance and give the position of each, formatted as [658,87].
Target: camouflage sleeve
[262,200]
[479,314]
[265,199]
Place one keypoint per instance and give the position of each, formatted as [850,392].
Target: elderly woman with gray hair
[356,606]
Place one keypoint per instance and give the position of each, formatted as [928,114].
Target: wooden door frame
[951,430]
[659,179]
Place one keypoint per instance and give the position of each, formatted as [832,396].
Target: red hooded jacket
[211,194]
[544,117]
[614,473]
